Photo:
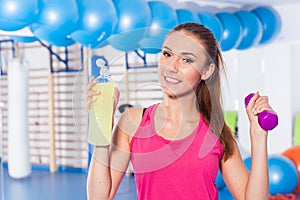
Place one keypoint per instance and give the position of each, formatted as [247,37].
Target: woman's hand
[91,95]
[256,105]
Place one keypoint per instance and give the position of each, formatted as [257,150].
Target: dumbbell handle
[267,119]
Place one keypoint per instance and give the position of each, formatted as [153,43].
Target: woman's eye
[166,54]
[187,60]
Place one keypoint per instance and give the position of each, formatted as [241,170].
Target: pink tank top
[179,169]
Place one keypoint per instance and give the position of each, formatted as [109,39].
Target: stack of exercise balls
[16,14]
[284,174]
[163,19]
[133,16]
[293,154]
[96,22]
[130,25]
[55,21]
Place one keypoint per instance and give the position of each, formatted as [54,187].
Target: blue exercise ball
[271,23]
[247,162]
[23,39]
[220,183]
[283,175]
[102,44]
[17,14]
[97,20]
[163,19]
[211,22]
[43,33]
[56,19]
[62,42]
[232,30]
[225,195]
[252,29]
[184,15]
[133,16]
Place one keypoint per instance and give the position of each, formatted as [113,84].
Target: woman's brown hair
[209,91]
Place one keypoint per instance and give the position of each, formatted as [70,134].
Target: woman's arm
[109,163]
[254,185]
[107,168]
[258,182]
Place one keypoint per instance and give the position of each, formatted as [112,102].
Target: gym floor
[62,185]
[41,184]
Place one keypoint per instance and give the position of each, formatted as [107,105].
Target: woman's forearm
[99,177]
[258,182]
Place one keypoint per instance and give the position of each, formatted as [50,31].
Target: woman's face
[181,64]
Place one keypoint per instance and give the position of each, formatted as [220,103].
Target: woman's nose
[173,64]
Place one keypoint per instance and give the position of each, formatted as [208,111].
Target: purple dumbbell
[267,119]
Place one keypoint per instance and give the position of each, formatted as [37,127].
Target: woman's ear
[207,72]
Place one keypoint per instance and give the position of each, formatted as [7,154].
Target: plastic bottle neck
[104,75]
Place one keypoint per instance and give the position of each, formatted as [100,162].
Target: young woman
[177,146]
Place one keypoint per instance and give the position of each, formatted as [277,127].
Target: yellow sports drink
[101,115]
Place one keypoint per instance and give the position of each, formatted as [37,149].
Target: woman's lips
[171,80]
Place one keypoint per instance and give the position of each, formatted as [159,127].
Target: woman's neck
[183,108]
[175,118]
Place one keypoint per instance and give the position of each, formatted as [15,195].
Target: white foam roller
[18,139]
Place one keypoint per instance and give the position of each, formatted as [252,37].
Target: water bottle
[101,112]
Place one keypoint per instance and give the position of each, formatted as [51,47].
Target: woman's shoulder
[130,120]
[135,114]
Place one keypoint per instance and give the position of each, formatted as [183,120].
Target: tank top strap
[148,115]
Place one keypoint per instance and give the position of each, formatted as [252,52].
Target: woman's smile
[171,80]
